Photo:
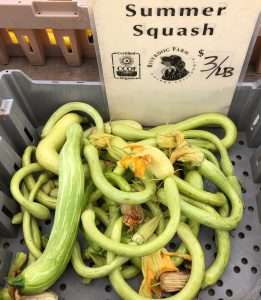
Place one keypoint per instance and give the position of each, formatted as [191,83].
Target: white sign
[166,60]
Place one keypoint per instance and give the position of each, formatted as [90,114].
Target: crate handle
[63,8]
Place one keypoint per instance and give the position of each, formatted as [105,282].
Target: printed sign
[166,60]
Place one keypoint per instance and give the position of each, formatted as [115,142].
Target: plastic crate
[40,29]
[26,105]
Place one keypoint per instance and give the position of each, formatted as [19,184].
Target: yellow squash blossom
[147,157]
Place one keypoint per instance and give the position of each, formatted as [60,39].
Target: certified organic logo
[172,65]
[126,65]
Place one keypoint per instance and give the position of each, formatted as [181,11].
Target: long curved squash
[39,276]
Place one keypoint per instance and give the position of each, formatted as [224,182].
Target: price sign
[165,60]
[216,68]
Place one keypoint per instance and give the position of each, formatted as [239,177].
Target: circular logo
[171,65]
[126,60]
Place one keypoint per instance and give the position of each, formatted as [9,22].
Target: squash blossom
[146,230]
[178,148]
[188,155]
[132,215]
[171,139]
[100,140]
[147,157]
[139,163]
[174,281]
[153,267]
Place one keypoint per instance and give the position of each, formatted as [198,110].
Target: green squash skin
[205,120]
[42,274]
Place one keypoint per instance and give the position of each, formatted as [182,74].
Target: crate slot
[12,36]
[254,130]
[9,160]
[4,57]
[27,43]
[32,46]
[5,261]
[51,36]
[27,132]
[67,43]
[16,167]
[244,105]
[255,122]
[7,212]
[15,123]
[258,201]
[89,34]
[8,209]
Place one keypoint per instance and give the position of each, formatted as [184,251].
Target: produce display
[128,191]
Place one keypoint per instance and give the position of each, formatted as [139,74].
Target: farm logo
[171,65]
[126,65]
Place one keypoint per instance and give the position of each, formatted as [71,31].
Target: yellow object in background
[51,36]
[89,34]
[67,43]
[52,40]
[27,43]
[12,36]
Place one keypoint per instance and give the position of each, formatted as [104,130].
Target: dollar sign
[201,53]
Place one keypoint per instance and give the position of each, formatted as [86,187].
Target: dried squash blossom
[171,139]
[187,154]
[153,267]
[147,157]
[174,281]
[178,148]
[132,215]
[100,140]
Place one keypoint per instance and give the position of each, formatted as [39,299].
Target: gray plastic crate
[38,99]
